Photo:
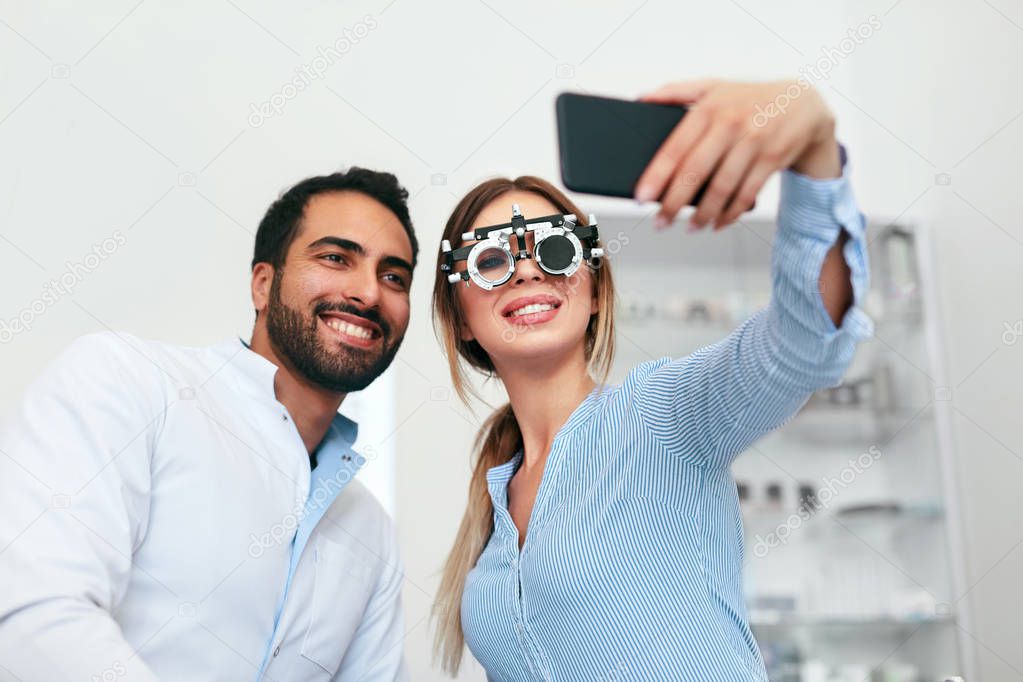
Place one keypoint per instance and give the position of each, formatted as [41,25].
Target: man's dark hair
[279,226]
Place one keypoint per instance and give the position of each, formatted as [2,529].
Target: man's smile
[352,330]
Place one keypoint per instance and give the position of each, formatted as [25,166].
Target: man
[188,513]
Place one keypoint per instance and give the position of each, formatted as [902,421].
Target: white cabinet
[853,549]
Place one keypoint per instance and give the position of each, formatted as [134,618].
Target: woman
[602,538]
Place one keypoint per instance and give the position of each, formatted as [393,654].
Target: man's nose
[363,287]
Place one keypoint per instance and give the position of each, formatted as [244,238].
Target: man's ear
[262,280]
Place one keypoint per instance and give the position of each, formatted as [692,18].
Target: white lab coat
[149,495]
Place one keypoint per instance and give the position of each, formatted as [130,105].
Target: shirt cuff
[818,210]
[822,205]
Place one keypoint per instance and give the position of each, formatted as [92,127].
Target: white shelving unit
[871,577]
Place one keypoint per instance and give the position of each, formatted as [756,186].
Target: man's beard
[340,367]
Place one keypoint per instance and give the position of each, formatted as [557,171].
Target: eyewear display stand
[854,551]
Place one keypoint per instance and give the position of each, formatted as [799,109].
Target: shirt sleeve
[713,404]
[376,652]
[74,490]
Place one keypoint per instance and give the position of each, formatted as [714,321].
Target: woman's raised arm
[712,404]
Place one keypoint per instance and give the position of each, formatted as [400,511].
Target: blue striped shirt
[632,565]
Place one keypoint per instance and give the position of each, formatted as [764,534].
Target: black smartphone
[605,144]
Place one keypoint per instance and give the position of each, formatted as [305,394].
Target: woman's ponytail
[497,441]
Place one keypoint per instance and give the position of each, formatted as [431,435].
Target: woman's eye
[494,262]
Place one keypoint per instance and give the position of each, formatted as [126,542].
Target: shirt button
[277,650]
[284,417]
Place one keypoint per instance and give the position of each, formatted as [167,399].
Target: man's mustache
[370,314]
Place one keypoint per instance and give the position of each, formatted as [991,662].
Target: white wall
[933,96]
[134,121]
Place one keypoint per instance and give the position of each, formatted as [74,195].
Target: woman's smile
[531,310]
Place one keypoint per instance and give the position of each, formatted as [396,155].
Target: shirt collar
[499,476]
[254,374]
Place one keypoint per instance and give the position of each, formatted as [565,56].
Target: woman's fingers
[721,142]
[725,183]
[662,167]
[694,170]
[680,92]
[743,200]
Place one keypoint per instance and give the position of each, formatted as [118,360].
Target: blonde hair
[499,437]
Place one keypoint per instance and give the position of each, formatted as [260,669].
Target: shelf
[822,423]
[889,520]
[892,513]
[873,625]
[867,512]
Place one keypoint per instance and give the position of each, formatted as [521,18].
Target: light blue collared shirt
[632,564]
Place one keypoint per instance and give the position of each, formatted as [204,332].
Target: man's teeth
[532,308]
[349,328]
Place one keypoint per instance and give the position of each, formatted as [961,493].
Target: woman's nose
[527,270]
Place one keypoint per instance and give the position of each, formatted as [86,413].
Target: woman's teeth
[349,328]
[532,308]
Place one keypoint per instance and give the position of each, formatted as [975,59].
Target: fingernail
[644,194]
[661,222]
[693,227]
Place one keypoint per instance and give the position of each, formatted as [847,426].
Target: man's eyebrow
[340,242]
[396,262]
[355,247]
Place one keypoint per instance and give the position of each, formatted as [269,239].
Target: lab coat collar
[254,374]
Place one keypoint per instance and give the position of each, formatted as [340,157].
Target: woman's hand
[736,134]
